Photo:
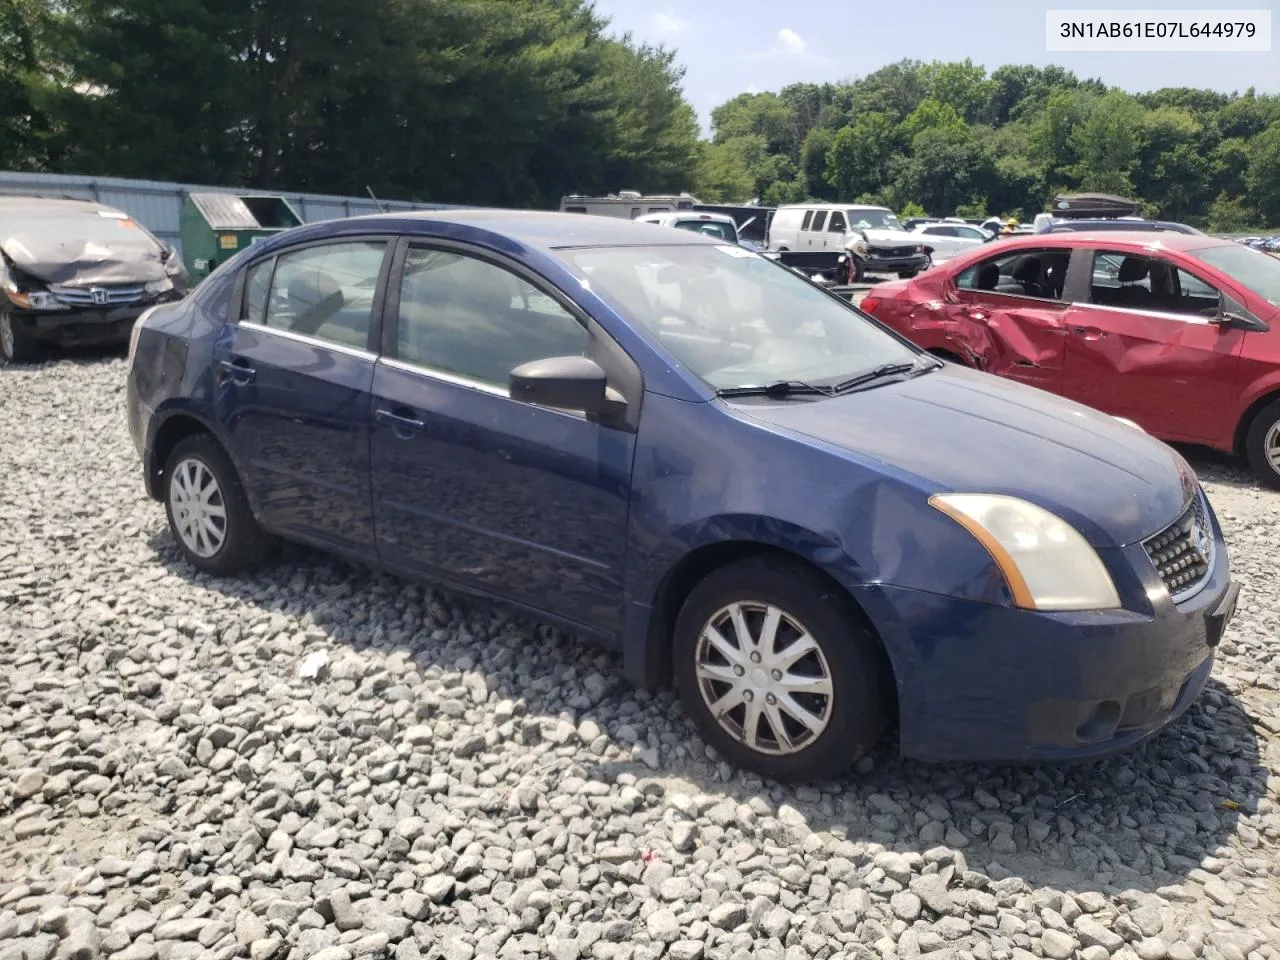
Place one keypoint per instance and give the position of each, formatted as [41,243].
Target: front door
[1144,347]
[1008,315]
[518,500]
[292,381]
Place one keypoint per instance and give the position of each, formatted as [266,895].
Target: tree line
[517,102]
[948,138]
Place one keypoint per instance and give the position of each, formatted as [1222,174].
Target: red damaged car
[1177,333]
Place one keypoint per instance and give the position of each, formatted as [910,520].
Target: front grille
[1183,552]
[892,251]
[106,295]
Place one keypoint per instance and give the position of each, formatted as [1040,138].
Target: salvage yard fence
[157,204]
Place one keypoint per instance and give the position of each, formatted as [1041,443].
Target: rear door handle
[1090,333]
[238,370]
[401,420]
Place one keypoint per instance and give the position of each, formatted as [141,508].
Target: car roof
[1150,240]
[13,204]
[825,205]
[536,229]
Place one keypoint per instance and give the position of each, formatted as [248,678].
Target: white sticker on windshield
[734,251]
[113,215]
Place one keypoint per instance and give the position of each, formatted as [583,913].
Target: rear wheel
[209,514]
[1262,444]
[778,672]
[16,343]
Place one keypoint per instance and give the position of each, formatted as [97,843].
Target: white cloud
[668,24]
[790,41]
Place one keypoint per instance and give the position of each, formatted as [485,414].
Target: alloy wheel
[764,678]
[1271,446]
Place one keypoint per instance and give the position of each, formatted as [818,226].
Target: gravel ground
[458,783]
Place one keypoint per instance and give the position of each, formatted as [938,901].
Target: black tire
[1263,431]
[244,543]
[17,346]
[858,709]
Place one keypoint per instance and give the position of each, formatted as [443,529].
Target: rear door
[291,387]
[1008,314]
[1143,345]
[815,238]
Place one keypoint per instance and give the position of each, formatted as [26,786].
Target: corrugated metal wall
[157,205]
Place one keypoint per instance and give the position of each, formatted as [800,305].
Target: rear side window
[1023,273]
[326,291]
[808,218]
[819,219]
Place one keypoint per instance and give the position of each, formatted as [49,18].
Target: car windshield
[873,220]
[734,318]
[709,228]
[1251,268]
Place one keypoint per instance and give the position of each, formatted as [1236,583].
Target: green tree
[1262,179]
[962,86]
[859,156]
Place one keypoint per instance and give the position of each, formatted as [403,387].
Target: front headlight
[1047,564]
[859,247]
[159,286]
[34,299]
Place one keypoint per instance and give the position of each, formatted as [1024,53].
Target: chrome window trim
[444,376]
[310,341]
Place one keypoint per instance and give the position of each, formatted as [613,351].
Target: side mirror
[1230,320]
[564,383]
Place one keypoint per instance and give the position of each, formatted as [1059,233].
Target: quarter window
[324,292]
[467,317]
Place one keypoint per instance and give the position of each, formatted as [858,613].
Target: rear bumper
[979,682]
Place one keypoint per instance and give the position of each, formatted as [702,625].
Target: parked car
[1172,331]
[945,240]
[684,450]
[74,271]
[871,237]
[1126,224]
[718,226]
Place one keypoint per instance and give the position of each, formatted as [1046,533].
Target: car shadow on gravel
[1142,820]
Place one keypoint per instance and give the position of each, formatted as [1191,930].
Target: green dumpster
[217,225]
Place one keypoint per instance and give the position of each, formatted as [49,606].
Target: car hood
[961,430]
[888,237]
[54,258]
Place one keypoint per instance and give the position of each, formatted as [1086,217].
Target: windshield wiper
[777,390]
[887,370]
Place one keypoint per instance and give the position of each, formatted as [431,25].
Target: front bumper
[979,682]
[874,264]
[86,325]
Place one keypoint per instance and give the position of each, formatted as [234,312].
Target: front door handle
[238,370]
[401,420]
[1090,333]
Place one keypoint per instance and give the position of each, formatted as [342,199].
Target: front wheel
[778,672]
[16,343]
[1262,444]
[209,514]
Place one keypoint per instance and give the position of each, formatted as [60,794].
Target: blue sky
[732,46]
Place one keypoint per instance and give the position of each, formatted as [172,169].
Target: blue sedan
[698,458]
